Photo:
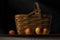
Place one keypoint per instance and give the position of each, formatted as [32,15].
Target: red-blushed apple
[27,31]
[11,32]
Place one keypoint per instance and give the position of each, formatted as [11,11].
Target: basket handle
[36,10]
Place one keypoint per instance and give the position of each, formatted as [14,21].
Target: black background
[11,7]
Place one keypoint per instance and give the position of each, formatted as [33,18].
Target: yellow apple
[45,31]
[38,30]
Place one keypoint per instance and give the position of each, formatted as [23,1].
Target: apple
[38,30]
[11,32]
[45,31]
[27,31]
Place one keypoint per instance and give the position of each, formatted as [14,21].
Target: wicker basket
[32,20]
